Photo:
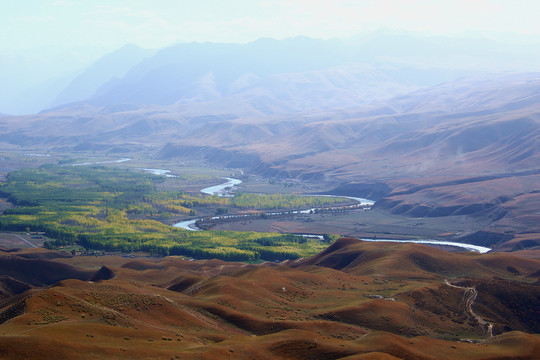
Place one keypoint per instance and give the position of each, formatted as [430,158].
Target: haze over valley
[250,182]
[385,109]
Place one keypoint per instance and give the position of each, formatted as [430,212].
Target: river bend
[225,188]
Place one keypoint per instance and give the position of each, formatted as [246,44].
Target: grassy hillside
[383,301]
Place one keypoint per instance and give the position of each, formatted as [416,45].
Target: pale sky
[110,24]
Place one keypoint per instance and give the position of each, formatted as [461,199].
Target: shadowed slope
[406,260]
[40,272]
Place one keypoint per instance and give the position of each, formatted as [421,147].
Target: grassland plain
[115,209]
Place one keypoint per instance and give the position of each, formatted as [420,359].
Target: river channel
[227,187]
[102,162]
[225,190]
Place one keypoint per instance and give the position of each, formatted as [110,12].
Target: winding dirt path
[469,297]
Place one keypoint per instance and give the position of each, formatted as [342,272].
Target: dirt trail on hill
[469,297]
[192,290]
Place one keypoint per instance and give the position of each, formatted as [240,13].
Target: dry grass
[323,307]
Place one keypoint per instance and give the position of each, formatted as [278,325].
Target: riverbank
[276,220]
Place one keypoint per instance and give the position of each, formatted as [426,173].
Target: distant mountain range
[295,74]
[108,68]
[476,125]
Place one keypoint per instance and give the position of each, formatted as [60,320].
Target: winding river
[159,172]
[102,162]
[221,189]
[470,247]
[225,188]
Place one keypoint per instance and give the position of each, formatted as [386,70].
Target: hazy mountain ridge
[443,122]
[113,65]
[172,73]
[453,132]
[31,78]
[391,63]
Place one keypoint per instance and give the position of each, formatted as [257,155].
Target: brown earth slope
[356,300]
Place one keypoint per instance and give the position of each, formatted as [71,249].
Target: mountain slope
[301,72]
[113,65]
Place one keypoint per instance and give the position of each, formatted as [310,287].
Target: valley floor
[361,223]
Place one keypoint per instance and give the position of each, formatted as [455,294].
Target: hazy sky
[157,23]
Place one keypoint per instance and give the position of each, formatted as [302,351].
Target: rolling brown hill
[355,300]
[414,261]
[40,272]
